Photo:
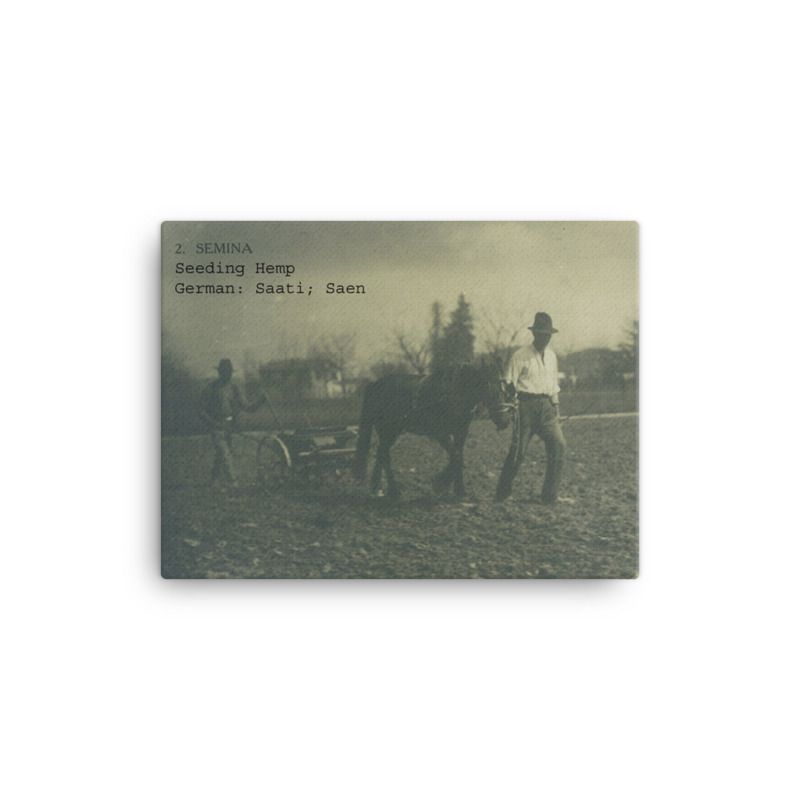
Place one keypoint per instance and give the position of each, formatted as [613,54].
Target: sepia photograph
[399,400]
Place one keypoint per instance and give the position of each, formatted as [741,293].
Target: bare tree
[289,347]
[250,369]
[415,352]
[498,335]
[339,351]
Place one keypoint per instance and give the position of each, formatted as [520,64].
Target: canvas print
[373,400]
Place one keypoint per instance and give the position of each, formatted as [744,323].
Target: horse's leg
[443,479]
[458,461]
[384,456]
[375,483]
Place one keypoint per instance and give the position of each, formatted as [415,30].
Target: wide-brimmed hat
[225,364]
[542,323]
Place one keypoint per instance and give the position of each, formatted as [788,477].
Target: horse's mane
[463,375]
[479,367]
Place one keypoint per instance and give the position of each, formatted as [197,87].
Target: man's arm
[512,370]
[555,388]
[241,405]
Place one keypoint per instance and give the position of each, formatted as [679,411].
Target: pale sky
[584,274]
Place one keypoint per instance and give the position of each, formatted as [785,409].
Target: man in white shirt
[533,372]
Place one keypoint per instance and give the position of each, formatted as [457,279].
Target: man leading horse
[533,372]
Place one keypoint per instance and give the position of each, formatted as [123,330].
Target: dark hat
[225,364]
[542,323]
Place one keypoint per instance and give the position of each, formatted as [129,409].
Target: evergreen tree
[435,343]
[436,323]
[457,341]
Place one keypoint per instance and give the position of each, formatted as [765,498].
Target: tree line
[449,340]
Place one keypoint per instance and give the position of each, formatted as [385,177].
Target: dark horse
[440,406]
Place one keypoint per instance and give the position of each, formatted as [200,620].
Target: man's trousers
[537,415]
[223,456]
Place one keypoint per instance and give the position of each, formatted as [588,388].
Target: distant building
[594,368]
[302,378]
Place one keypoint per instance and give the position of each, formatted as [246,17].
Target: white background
[682,116]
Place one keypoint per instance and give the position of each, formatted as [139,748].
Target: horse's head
[495,394]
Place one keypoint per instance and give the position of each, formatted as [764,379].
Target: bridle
[505,406]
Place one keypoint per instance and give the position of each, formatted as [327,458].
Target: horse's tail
[364,436]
